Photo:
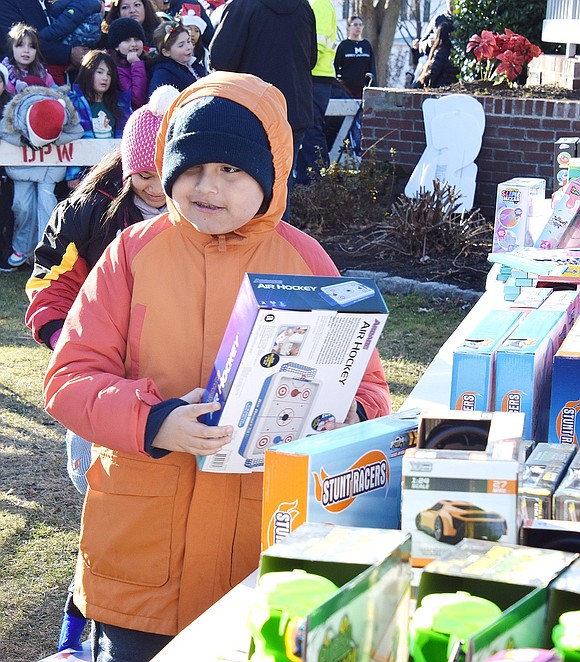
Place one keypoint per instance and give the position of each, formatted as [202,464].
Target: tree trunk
[380,18]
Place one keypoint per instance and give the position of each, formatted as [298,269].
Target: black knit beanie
[217,130]
[122,29]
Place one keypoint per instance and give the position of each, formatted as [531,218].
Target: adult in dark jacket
[33,13]
[275,40]
[355,59]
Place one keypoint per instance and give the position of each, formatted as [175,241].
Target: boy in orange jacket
[161,541]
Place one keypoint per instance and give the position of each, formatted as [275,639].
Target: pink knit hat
[140,132]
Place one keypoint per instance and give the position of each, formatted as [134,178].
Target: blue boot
[71,631]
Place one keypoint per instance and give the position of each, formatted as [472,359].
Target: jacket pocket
[128,519]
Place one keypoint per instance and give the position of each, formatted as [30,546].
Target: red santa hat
[45,120]
[191,15]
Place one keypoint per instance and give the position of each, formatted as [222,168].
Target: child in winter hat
[122,29]
[129,370]
[138,142]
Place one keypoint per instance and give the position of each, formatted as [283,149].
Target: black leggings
[114,644]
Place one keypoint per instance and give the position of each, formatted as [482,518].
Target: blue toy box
[524,369]
[349,476]
[565,401]
[473,370]
[291,361]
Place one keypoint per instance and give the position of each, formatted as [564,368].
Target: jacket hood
[14,120]
[281,6]
[268,104]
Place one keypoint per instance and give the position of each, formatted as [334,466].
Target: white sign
[85,152]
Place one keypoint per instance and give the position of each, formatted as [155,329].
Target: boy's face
[217,198]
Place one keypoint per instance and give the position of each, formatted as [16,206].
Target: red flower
[483,47]
[504,54]
[511,64]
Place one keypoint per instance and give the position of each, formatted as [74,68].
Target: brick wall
[518,140]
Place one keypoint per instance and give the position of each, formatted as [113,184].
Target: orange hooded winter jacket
[161,541]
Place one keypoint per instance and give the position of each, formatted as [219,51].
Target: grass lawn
[39,507]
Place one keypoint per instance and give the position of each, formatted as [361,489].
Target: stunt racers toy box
[349,476]
[291,360]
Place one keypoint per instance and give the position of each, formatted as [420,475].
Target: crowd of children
[134,51]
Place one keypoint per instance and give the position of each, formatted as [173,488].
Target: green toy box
[368,618]
[514,577]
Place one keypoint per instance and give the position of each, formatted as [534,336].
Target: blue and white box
[473,371]
[291,360]
[524,369]
[565,402]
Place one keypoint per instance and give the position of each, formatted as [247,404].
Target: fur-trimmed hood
[13,127]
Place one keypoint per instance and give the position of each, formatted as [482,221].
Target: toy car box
[565,213]
[514,206]
[368,618]
[523,369]
[452,429]
[564,150]
[291,360]
[541,475]
[451,495]
[514,577]
[473,369]
[566,502]
[349,476]
[565,398]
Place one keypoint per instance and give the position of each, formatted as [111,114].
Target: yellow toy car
[451,521]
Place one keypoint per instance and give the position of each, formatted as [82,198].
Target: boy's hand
[351,418]
[181,431]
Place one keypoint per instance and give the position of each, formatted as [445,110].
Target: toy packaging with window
[513,210]
[349,476]
[367,618]
[450,429]
[473,370]
[565,213]
[541,475]
[564,150]
[567,494]
[449,495]
[565,399]
[523,369]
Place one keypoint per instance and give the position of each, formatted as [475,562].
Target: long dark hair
[149,24]
[90,63]
[107,175]
[15,37]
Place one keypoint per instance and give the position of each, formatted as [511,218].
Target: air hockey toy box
[291,360]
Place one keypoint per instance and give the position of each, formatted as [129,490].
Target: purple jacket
[133,78]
